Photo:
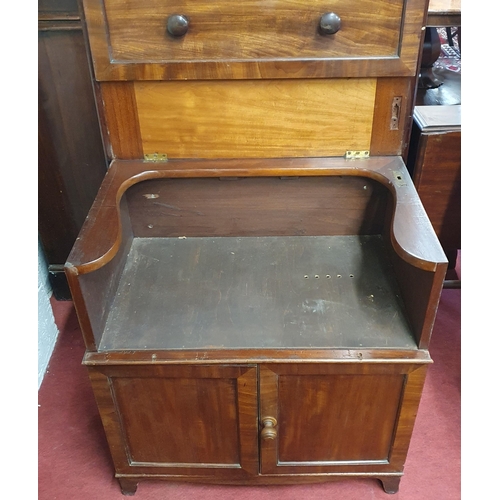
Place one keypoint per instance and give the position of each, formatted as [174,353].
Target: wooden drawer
[253,39]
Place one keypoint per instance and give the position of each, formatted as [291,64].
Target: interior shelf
[257,292]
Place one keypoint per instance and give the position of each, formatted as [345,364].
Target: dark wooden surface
[119,119]
[435,164]
[448,94]
[100,236]
[340,424]
[444,13]
[58,9]
[323,430]
[251,292]
[242,207]
[213,408]
[207,427]
[71,162]
[407,231]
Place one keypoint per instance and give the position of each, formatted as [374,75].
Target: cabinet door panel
[331,417]
[160,415]
[335,415]
[180,420]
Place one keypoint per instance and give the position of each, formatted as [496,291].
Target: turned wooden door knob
[177,25]
[329,23]
[269,430]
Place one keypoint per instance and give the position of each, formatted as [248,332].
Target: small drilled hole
[339,276]
[328,276]
[351,276]
[316,276]
[306,277]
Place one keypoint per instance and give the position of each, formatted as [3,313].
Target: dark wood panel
[199,421]
[356,417]
[58,9]
[71,162]
[420,291]
[257,206]
[411,233]
[99,288]
[261,355]
[391,117]
[340,417]
[119,119]
[437,177]
[179,420]
[295,292]
[56,225]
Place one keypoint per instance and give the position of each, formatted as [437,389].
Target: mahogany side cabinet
[434,163]
[257,279]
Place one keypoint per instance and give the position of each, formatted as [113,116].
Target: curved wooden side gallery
[256,281]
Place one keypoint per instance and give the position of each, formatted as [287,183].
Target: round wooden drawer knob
[329,23]
[177,25]
[269,430]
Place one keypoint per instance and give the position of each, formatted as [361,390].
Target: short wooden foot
[390,484]
[128,486]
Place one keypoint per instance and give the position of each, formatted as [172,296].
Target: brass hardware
[329,23]
[352,155]
[177,25]
[269,430]
[395,113]
[155,157]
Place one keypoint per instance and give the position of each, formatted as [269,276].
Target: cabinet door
[337,418]
[180,420]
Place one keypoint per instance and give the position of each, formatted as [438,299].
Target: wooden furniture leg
[128,486]
[430,54]
[390,484]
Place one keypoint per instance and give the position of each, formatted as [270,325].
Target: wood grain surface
[180,420]
[240,207]
[252,40]
[341,424]
[227,30]
[255,119]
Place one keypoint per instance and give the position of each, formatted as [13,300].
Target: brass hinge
[155,157]
[354,155]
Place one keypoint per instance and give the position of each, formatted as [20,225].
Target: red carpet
[74,462]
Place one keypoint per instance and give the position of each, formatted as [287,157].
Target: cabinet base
[390,484]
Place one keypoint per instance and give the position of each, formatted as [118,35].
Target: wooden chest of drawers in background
[434,161]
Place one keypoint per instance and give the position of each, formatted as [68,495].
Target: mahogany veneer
[257,306]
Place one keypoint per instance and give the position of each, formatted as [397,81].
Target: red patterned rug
[450,57]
